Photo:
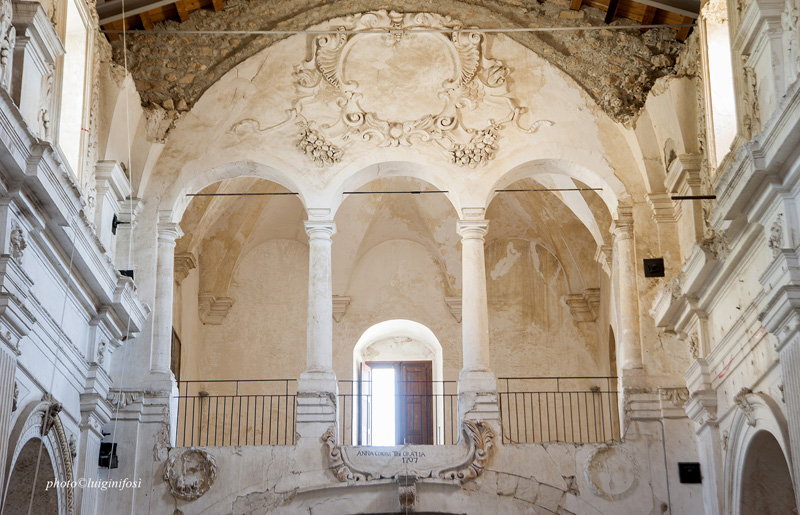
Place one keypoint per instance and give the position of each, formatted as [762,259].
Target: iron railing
[431,418]
[559,409]
[236,412]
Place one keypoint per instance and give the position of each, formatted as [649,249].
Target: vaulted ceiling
[172,71]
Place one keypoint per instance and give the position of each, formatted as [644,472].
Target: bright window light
[383,406]
[72,99]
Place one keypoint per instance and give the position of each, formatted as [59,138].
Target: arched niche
[39,427]
[33,463]
[758,451]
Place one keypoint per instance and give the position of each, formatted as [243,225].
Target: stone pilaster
[95,412]
[790,366]
[702,409]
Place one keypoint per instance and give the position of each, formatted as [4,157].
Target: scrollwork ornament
[675,396]
[335,461]
[471,81]
[190,474]
[481,437]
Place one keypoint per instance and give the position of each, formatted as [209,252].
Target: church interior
[410,256]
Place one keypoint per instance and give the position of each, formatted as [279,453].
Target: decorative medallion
[611,473]
[190,474]
[394,79]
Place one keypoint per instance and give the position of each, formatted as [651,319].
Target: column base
[632,378]
[317,411]
[477,397]
[318,381]
[476,381]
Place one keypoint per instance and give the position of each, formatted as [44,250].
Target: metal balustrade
[532,410]
[236,412]
[559,409]
[424,418]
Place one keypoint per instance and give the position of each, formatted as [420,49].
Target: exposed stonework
[171,72]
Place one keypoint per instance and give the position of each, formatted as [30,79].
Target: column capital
[169,232]
[320,229]
[472,229]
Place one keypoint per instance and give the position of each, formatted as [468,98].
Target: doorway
[397,401]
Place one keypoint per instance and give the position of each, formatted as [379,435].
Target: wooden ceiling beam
[575,5]
[649,14]
[147,22]
[183,13]
[612,10]
[683,32]
[218,5]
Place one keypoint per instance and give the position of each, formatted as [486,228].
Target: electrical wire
[395,32]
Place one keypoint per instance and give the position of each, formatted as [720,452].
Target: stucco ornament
[190,474]
[404,86]
[17,241]
[611,473]
[790,23]
[447,462]
[744,404]
[8,38]
[775,242]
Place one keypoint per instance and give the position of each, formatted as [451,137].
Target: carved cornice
[213,309]
[340,304]
[185,262]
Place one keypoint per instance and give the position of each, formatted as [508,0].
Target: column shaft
[320,296]
[474,302]
[161,351]
[630,348]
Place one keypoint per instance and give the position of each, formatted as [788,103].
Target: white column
[8,369]
[161,350]
[474,303]
[317,390]
[319,344]
[630,348]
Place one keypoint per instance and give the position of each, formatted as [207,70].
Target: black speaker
[654,267]
[689,473]
[108,456]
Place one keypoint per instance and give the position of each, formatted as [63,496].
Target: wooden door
[415,403]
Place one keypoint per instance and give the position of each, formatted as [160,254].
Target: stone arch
[175,201]
[612,188]
[758,424]
[352,180]
[41,422]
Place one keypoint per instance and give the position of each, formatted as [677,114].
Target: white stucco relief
[372,87]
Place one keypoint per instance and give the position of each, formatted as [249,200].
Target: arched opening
[396,259]
[239,314]
[398,364]
[766,483]
[21,483]
[545,289]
